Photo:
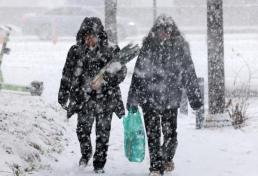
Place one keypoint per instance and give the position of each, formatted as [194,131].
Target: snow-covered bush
[239,95]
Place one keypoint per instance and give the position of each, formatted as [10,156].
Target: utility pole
[110,20]
[216,77]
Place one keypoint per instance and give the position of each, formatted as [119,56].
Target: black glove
[196,105]
[69,114]
[73,108]
[133,109]
[64,106]
[68,111]
[108,76]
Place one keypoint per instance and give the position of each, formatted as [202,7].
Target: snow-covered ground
[31,132]
[213,152]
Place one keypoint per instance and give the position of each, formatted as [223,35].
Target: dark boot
[84,161]
[99,171]
[169,166]
[155,173]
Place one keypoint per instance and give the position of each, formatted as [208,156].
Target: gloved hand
[96,84]
[64,106]
[133,109]
[69,114]
[196,105]
[68,111]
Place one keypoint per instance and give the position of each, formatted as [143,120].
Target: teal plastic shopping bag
[134,137]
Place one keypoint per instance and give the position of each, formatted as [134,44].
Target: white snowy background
[35,135]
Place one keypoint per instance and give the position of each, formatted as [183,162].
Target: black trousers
[103,125]
[155,119]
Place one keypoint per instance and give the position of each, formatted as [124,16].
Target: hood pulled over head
[164,24]
[94,26]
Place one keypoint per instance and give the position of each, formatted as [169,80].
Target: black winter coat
[161,72]
[82,65]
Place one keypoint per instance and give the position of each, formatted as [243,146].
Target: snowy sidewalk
[36,135]
[213,152]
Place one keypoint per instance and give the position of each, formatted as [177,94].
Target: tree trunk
[110,20]
[216,79]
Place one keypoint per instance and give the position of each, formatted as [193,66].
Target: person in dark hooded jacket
[92,100]
[163,69]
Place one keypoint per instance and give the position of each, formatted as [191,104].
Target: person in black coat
[163,69]
[92,100]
